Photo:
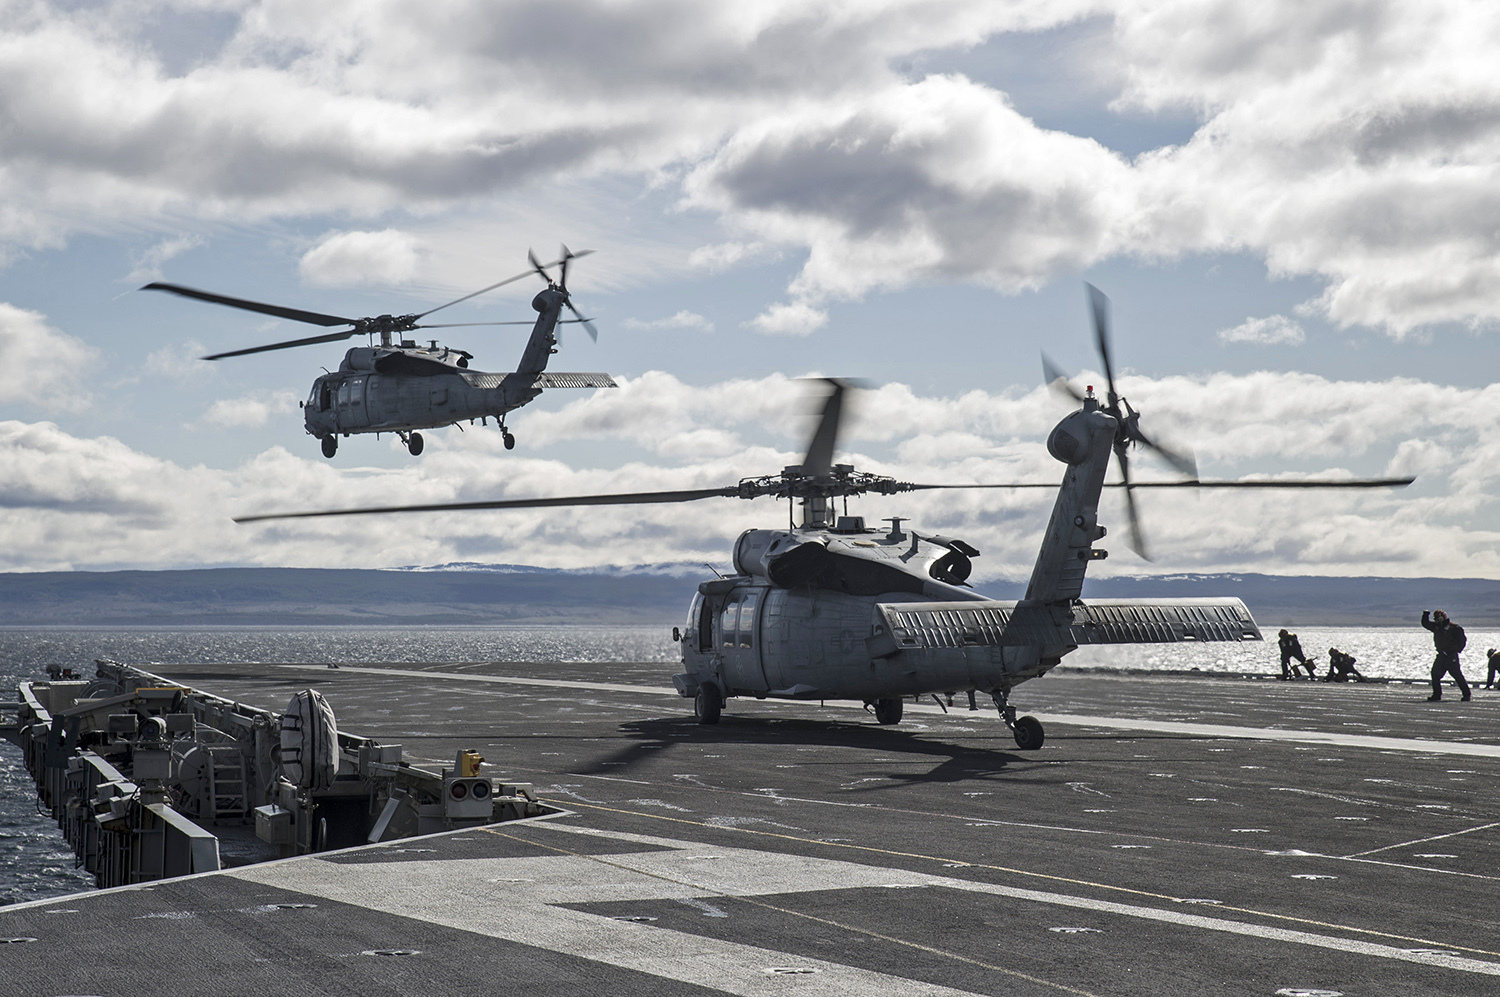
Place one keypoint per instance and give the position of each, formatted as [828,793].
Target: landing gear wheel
[330,446]
[706,704]
[1029,734]
[414,444]
[510,442]
[888,711]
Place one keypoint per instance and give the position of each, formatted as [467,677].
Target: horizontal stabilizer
[549,379]
[545,379]
[914,625]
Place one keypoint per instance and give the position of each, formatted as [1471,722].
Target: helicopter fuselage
[401,387]
[406,388]
[850,613]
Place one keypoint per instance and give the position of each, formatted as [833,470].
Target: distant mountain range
[472,594]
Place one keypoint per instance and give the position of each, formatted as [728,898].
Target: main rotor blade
[332,337]
[1099,303]
[1058,380]
[482,290]
[295,314]
[907,486]
[819,459]
[460,325]
[539,268]
[1137,538]
[1293,483]
[625,498]
[1194,483]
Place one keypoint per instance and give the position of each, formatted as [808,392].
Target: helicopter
[401,387]
[832,609]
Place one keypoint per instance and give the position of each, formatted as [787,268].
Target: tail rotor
[1128,433]
[561,284]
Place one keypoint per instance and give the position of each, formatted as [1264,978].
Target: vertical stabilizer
[1082,441]
[543,343]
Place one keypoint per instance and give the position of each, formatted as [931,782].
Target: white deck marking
[459,893]
[1423,841]
[1065,719]
[1275,734]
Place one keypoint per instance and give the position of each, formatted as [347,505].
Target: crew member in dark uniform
[1341,667]
[1494,656]
[1448,637]
[1291,648]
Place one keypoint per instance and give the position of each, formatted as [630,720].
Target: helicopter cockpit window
[747,620]
[729,623]
[344,394]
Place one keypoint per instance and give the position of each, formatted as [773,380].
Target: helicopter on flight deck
[833,609]
[400,387]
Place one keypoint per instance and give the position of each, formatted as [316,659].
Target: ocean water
[34,862]
[1382,652]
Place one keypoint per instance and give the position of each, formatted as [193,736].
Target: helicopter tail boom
[1083,442]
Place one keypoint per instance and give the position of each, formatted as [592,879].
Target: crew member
[1449,639]
[1494,656]
[1341,667]
[1291,648]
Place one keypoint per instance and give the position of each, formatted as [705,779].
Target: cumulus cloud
[40,365]
[1275,330]
[250,411]
[361,107]
[682,320]
[343,259]
[796,318]
[1357,142]
[149,263]
[181,362]
[68,501]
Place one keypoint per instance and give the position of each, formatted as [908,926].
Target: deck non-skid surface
[1175,835]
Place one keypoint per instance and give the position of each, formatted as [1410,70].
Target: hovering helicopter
[833,609]
[400,387]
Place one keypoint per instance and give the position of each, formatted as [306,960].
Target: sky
[1293,208]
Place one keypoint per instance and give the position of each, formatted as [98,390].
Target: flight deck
[1176,835]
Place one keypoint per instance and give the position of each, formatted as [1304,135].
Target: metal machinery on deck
[150,779]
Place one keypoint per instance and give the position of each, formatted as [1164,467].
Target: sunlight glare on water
[1382,652]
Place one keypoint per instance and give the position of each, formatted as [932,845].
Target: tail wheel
[707,704]
[510,442]
[888,711]
[1029,734]
[330,446]
[415,444]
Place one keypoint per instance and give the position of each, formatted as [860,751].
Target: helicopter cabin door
[739,641]
[351,404]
